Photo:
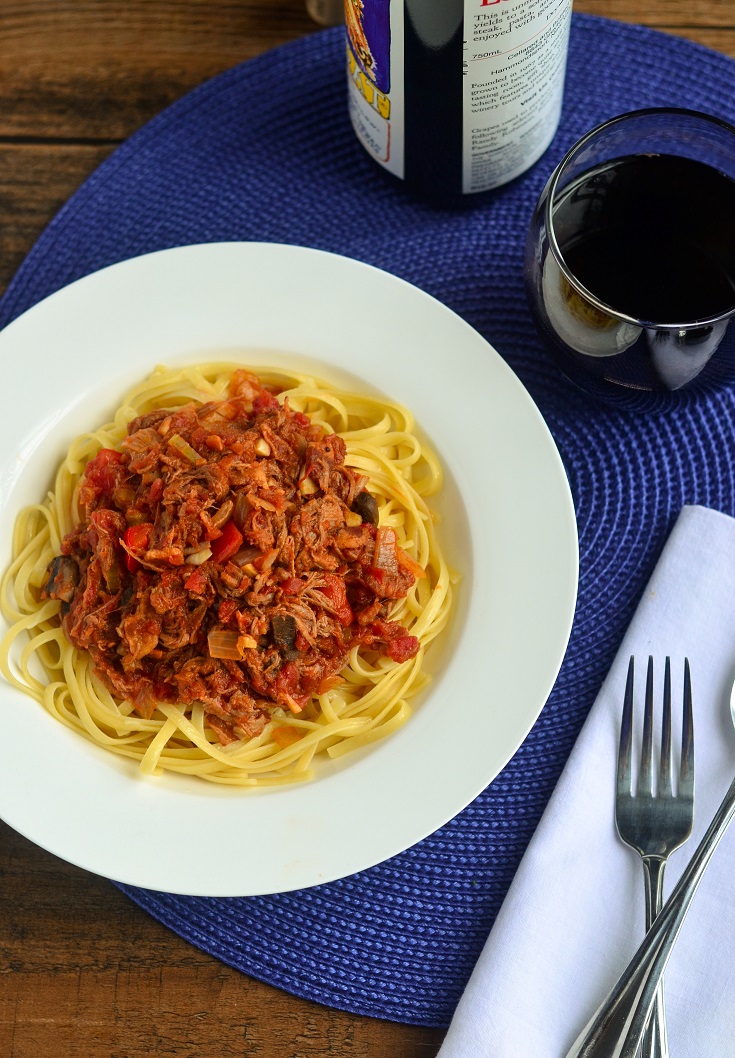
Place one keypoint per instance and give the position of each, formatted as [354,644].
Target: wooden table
[83,972]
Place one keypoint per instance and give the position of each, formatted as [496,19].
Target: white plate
[508,527]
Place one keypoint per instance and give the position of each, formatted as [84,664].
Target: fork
[616,1028]
[655,824]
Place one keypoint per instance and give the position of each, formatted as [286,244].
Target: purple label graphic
[368,29]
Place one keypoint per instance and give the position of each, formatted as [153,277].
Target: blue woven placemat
[265,152]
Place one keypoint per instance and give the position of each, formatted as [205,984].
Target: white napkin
[574,914]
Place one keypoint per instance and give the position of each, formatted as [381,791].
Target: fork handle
[655,1041]
[616,1028]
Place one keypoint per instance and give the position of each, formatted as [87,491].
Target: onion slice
[222,643]
[182,446]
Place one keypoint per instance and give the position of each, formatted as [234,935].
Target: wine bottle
[456,97]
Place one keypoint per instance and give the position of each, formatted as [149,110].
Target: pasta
[368,701]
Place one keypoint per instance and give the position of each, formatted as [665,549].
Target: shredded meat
[228,556]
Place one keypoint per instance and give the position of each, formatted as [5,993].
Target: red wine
[649,242]
[653,237]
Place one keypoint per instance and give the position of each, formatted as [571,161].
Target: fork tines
[685,784]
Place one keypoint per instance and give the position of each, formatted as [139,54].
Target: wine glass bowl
[630,258]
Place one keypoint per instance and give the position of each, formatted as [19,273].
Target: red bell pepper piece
[291,585]
[136,537]
[335,591]
[228,544]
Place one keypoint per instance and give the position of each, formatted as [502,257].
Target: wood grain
[84,972]
[97,69]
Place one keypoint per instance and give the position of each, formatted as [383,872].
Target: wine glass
[630,258]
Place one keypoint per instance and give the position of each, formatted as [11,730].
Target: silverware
[655,824]
[616,1028]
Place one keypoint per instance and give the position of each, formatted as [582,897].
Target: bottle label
[375,78]
[515,54]
[513,64]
